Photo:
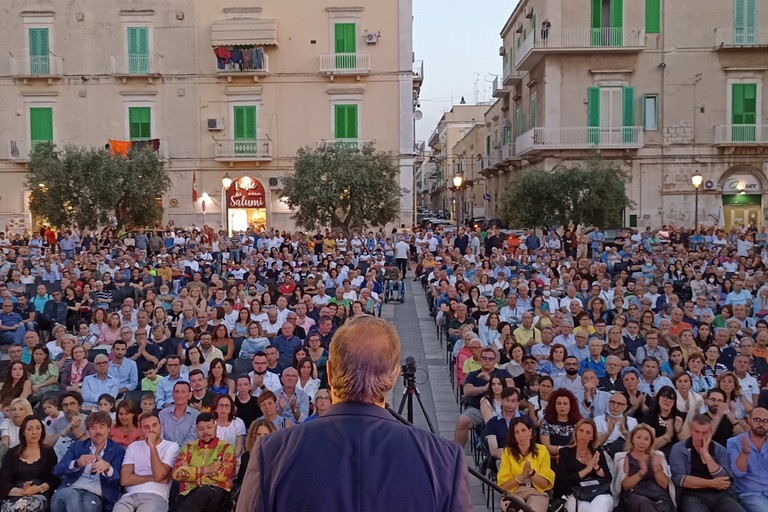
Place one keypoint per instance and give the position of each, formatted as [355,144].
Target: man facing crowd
[363,366]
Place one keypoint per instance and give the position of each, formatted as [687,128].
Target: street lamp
[696,180]
[457,181]
[226,181]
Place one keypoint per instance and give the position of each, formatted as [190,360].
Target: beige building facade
[436,189]
[663,89]
[227,91]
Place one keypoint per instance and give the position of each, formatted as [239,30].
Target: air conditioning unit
[529,12]
[519,28]
[274,183]
[710,185]
[216,124]
[371,38]
[502,51]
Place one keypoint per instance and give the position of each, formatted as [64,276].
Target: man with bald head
[749,464]
[363,366]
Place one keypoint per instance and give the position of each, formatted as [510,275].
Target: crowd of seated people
[140,369]
[632,374]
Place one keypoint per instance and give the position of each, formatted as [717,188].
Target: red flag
[194,187]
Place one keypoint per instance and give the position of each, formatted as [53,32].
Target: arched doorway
[246,205]
[742,188]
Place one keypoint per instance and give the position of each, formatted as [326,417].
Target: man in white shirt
[321,299]
[262,379]
[146,469]
[749,385]
[402,253]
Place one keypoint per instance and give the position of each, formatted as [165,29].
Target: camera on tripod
[409,368]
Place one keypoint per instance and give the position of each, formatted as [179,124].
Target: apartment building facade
[436,189]
[226,90]
[662,89]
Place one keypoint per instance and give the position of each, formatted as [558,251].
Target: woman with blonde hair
[641,475]
[257,430]
[580,462]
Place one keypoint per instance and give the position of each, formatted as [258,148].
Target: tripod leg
[402,402]
[424,410]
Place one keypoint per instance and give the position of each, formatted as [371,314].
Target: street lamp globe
[696,180]
[226,181]
[458,180]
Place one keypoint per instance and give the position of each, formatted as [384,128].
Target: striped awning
[244,32]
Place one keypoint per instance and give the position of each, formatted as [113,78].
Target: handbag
[588,492]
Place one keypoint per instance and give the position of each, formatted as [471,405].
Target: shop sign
[739,184]
[246,192]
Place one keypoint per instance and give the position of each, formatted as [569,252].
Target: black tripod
[409,382]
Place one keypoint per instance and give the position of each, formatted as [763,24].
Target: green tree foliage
[593,194]
[342,186]
[86,188]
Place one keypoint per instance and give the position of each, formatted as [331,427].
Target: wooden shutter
[245,122]
[138,50]
[745,22]
[41,124]
[533,112]
[345,121]
[593,114]
[39,51]
[617,22]
[652,16]
[628,114]
[597,22]
[139,121]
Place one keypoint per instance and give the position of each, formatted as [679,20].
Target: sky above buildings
[458,40]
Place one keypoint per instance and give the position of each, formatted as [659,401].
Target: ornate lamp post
[696,180]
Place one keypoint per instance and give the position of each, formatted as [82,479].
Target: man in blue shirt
[748,457]
[164,393]
[11,325]
[178,421]
[122,369]
[595,361]
[286,344]
[99,383]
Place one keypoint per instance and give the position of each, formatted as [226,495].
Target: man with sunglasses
[475,385]
[749,464]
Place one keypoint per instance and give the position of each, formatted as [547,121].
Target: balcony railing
[491,161]
[43,66]
[741,37]
[739,134]
[136,65]
[620,137]
[418,71]
[243,150]
[508,151]
[256,66]
[18,151]
[345,64]
[577,40]
[350,143]
[498,91]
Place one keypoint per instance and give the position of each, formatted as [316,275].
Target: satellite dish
[418,115]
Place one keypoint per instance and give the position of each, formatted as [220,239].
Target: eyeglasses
[488,358]
[322,398]
[760,421]
[614,402]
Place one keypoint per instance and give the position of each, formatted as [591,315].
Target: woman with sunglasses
[666,420]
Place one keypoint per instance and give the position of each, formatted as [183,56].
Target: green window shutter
[138,50]
[533,112]
[652,16]
[345,34]
[628,113]
[41,125]
[745,22]
[533,28]
[597,22]
[245,123]
[488,145]
[345,121]
[617,23]
[593,114]
[139,122]
[39,51]
[743,112]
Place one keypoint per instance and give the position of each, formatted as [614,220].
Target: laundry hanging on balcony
[237,58]
[121,147]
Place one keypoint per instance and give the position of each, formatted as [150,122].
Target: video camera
[409,368]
